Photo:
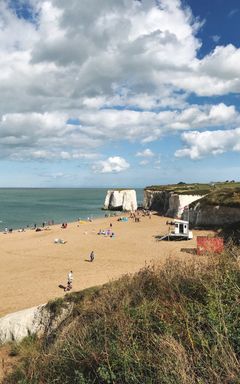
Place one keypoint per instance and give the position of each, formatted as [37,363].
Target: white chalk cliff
[169,204]
[124,200]
[178,203]
[202,215]
[37,320]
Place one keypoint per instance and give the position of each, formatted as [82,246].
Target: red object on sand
[207,244]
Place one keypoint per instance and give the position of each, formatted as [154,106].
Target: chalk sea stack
[121,200]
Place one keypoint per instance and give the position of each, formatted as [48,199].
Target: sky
[119,93]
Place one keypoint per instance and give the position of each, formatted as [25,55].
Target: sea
[26,207]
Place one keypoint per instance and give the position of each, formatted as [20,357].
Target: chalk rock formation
[201,215]
[168,203]
[178,203]
[156,200]
[125,200]
[37,320]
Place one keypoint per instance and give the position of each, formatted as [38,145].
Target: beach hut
[178,230]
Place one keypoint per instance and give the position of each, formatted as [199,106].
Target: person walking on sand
[92,256]
[69,281]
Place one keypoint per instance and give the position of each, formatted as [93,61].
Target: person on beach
[69,281]
[92,256]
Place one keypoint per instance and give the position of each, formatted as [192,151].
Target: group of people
[6,230]
[136,216]
[108,232]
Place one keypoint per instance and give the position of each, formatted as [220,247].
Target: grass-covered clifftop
[183,189]
[227,197]
[194,189]
[226,194]
[176,325]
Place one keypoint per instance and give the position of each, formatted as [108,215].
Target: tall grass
[176,325]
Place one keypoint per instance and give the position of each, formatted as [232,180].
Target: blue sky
[112,94]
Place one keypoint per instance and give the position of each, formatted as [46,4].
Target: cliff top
[228,197]
[198,188]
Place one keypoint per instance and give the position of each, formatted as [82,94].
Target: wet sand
[32,265]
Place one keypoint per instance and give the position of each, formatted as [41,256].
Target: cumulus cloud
[146,156]
[85,50]
[122,68]
[200,144]
[51,134]
[145,153]
[113,164]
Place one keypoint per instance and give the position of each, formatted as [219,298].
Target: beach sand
[32,266]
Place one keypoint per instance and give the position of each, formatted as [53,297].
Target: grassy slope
[178,325]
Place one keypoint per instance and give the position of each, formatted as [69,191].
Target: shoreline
[22,208]
[32,266]
[48,224]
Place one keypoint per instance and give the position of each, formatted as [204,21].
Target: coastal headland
[32,266]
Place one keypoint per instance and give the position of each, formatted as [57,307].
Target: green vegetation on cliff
[182,188]
[194,189]
[176,325]
[226,194]
[227,197]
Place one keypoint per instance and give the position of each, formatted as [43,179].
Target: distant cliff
[168,203]
[121,200]
[213,216]
[219,208]
[209,206]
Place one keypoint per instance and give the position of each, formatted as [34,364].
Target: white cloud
[145,153]
[113,164]
[216,38]
[49,136]
[200,144]
[83,56]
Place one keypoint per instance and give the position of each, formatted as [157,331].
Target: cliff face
[213,216]
[156,200]
[37,320]
[200,214]
[168,203]
[125,200]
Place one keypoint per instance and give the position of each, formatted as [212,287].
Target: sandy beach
[32,266]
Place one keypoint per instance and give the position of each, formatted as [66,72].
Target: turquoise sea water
[20,207]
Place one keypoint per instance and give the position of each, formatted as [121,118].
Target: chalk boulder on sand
[124,200]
